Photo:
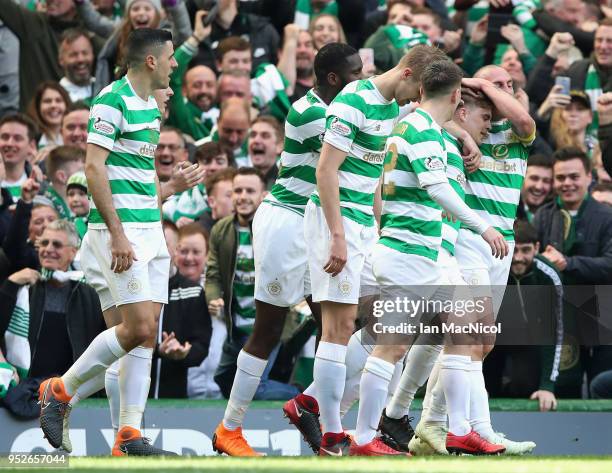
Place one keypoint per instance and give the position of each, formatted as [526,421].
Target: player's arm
[329,194]
[508,106]
[378,202]
[99,186]
[470,152]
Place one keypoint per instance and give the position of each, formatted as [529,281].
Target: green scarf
[592,87]
[191,204]
[304,12]
[404,37]
[58,203]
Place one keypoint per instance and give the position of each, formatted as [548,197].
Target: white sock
[246,381]
[375,380]
[134,383]
[101,352]
[329,376]
[434,404]
[480,419]
[394,383]
[111,383]
[419,363]
[455,380]
[89,387]
[356,356]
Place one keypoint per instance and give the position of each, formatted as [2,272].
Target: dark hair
[541,160]
[78,105]
[440,78]
[475,98]
[568,153]
[208,151]
[70,35]
[60,156]
[34,105]
[331,58]
[524,232]
[274,123]
[223,175]
[24,120]
[602,187]
[233,43]
[426,11]
[247,171]
[392,3]
[142,42]
[419,56]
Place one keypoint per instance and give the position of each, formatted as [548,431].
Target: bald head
[233,123]
[498,75]
[234,84]
[200,86]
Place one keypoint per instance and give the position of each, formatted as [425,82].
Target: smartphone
[565,82]
[367,56]
[213,9]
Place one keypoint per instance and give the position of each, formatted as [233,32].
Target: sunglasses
[57,245]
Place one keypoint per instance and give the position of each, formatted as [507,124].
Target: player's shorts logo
[345,287]
[134,286]
[274,288]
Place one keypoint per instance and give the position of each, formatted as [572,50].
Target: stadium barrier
[186,426]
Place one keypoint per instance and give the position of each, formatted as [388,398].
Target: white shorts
[146,280]
[481,269]
[450,267]
[356,278]
[281,262]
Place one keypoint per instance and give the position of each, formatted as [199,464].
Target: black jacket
[550,25]
[5,215]
[16,245]
[591,261]
[83,313]
[186,314]
[541,80]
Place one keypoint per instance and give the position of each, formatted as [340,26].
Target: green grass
[348,465]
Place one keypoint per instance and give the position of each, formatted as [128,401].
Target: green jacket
[185,115]
[221,265]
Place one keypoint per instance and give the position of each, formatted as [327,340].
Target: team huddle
[408,179]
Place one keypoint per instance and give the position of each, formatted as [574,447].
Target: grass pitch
[342,465]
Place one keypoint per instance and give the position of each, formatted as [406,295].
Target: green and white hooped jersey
[358,122]
[455,172]
[494,190]
[128,126]
[411,220]
[304,131]
[243,293]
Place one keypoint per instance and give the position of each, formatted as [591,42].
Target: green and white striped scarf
[405,37]
[191,204]
[18,352]
[268,87]
[304,12]
[592,87]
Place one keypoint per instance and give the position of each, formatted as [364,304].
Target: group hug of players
[369,169]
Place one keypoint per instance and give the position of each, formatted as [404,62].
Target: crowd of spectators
[221,138]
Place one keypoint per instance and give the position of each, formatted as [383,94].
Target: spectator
[569,125]
[219,191]
[234,54]
[38,35]
[567,16]
[602,193]
[325,29]
[591,75]
[185,326]
[531,371]
[537,186]
[192,108]
[265,145]
[582,253]
[512,63]
[234,83]
[138,14]
[61,305]
[62,163]
[425,20]
[18,135]
[304,65]
[76,194]
[230,282]
[212,157]
[232,129]
[170,151]
[32,215]
[47,109]
[76,57]
[74,125]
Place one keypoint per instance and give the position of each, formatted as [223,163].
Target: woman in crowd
[326,29]
[47,109]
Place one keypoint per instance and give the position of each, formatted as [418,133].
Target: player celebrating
[415,190]
[125,218]
[280,248]
[339,221]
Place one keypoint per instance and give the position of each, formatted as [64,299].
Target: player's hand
[182,221]
[29,190]
[470,152]
[122,253]
[215,307]
[337,256]
[499,247]
[185,176]
[24,276]
[449,216]
[523,98]
[547,400]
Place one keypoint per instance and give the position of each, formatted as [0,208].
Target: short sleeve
[345,117]
[105,121]
[426,153]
